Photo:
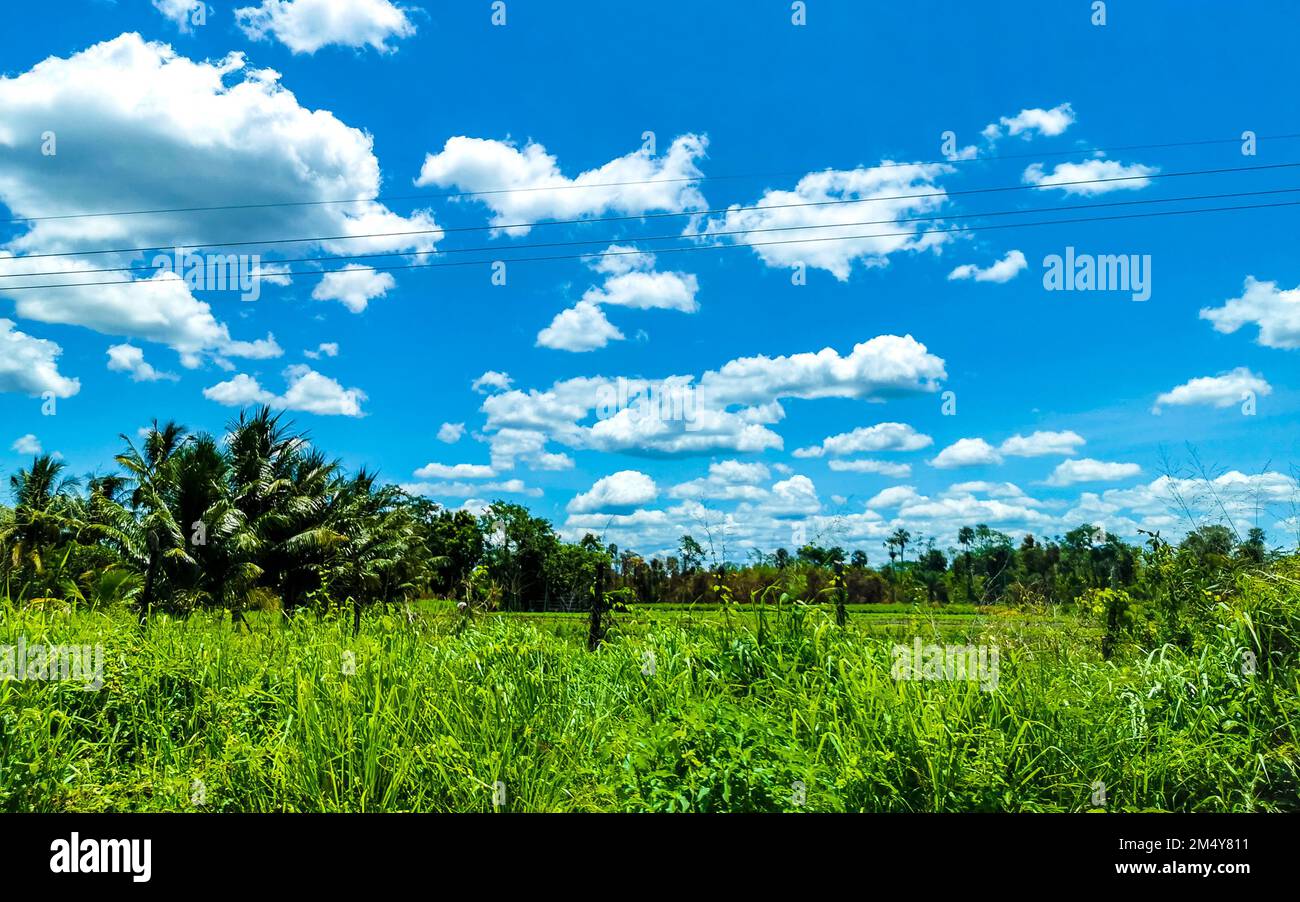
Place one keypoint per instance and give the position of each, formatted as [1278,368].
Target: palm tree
[900,538]
[219,541]
[45,513]
[379,556]
[305,536]
[154,535]
[191,520]
[283,490]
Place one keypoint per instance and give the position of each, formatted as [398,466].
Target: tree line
[261,518]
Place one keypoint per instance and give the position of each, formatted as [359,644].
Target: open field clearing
[450,713]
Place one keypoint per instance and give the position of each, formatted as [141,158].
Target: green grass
[438,711]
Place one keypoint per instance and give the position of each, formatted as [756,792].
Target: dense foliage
[261,518]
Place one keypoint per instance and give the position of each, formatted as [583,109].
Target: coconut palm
[282,488]
[192,520]
[221,546]
[152,536]
[46,514]
[379,559]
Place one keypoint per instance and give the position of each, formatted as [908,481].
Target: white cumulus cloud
[307,390]
[1003,270]
[455,471]
[1124,177]
[728,480]
[1041,443]
[880,437]
[1276,312]
[583,327]
[618,492]
[451,432]
[648,291]
[324,349]
[30,365]
[966,452]
[305,26]
[730,408]
[631,281]
[1037,121]
[532,186]
[822,206]
[894,496]
[184,14]
[1223,390]
[26,444]
[1069,472]
[125,358]
[492,380]
[180,134]
[865,465]
[355,286]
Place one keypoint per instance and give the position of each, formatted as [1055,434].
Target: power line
[642,238]
[700,178]
[702,247]
[661,215]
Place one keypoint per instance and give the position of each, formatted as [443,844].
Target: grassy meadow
[719,709]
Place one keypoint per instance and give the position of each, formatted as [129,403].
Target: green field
[679,710]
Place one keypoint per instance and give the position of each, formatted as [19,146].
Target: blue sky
[819,406]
